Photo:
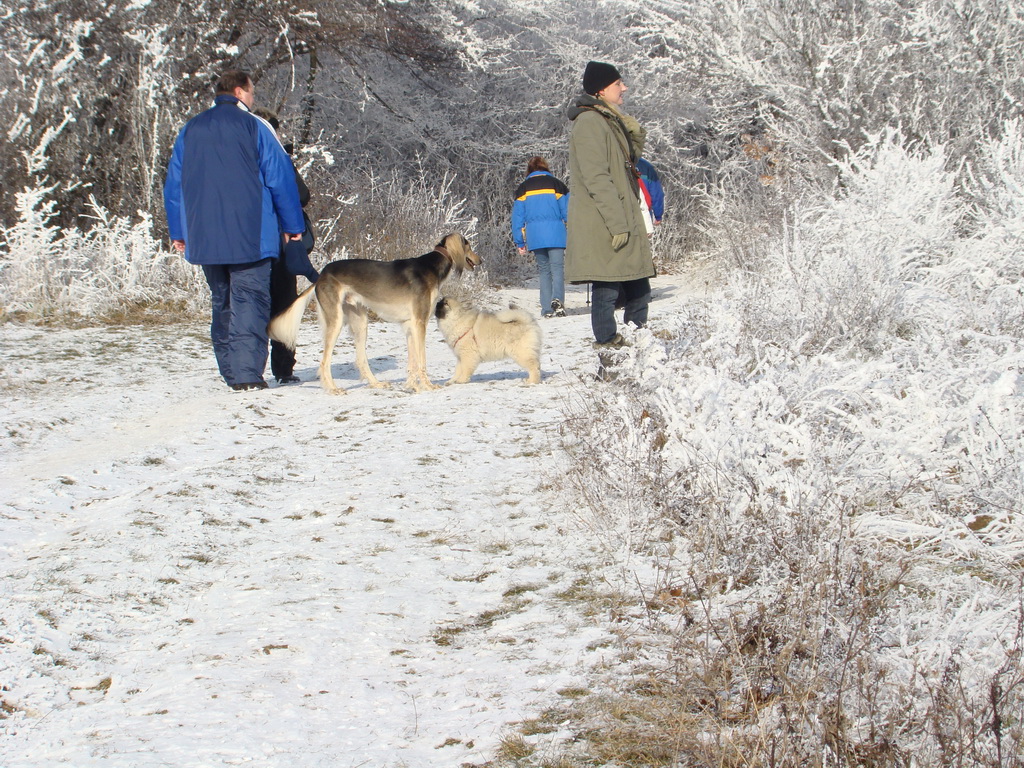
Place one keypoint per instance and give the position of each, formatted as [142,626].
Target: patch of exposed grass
[497,548]
[445,636]
[102,686]
[515,748]
[589,597]
[484,620]
[546,723]
[521,589]
[7,709]
[151,313]
[574,693]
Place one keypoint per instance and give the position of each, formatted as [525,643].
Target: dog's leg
[356,319]
[532,366]
[468,362]
[416,341]
[330,326]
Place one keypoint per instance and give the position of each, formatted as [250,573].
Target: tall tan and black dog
[400,291]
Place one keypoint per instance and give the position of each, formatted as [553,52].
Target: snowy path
[195,577]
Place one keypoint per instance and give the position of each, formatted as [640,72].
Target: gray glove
[619,241]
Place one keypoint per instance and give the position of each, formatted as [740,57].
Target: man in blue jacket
[230,194]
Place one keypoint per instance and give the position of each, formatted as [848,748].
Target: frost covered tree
[96,91]
[436,105]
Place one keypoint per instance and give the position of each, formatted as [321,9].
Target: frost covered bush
[833,506]
[846,259]
[114,269]
[396,217]
[118,269]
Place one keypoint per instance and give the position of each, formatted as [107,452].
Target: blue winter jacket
[653,184]
[230,190]
[539,212]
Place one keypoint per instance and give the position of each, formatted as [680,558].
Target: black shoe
[289,379]
[557,310]
[249,385]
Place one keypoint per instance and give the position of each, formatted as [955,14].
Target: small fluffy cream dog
[476,336]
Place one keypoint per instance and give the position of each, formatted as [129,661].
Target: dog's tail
[515,315]
[284,327]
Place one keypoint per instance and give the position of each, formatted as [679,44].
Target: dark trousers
[240,302]
[283,291]
[634,294]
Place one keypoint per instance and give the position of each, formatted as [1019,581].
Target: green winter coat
[603,197]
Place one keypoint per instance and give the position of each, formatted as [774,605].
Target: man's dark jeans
[635,295]
[240,298]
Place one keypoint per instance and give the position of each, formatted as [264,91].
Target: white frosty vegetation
[114,267]
[827,464]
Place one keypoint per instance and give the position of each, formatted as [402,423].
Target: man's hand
[290,236]
[619,241]
[178,245]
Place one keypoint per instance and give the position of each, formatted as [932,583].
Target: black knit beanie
[598,76]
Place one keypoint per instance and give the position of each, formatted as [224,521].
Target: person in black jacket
[294,260]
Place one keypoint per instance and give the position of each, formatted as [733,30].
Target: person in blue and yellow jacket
[231,196]
[539,214]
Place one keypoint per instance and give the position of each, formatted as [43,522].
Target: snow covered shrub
[115,268]
[29,247]
[740,195]
[840,276]
[987,273]
[835,488]
[396,217]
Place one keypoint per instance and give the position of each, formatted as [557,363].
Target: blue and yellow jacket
[540,211]
[230,190]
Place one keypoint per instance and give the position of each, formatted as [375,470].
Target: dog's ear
[461,251]
[453,243]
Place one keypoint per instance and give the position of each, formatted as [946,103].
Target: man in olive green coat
[607,238]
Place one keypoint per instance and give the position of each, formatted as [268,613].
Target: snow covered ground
[196,577]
